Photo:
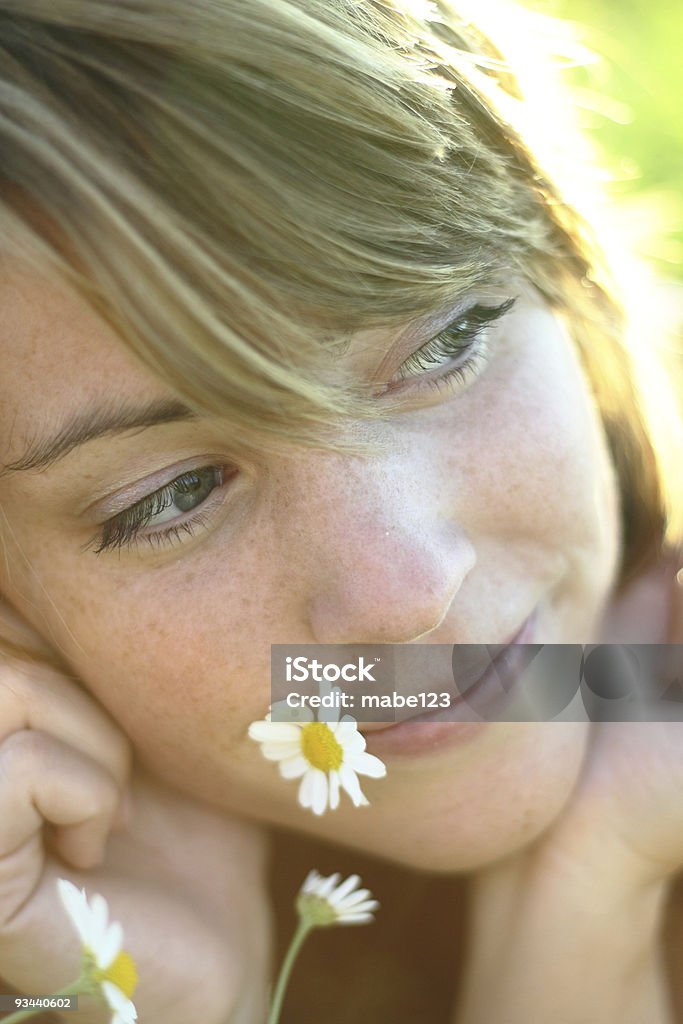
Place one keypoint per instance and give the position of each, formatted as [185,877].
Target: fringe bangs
[237,186]
[229,183]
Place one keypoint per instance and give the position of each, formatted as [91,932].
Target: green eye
[182,495]
[192,489]
[459,344]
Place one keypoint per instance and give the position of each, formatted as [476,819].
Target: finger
[45,780]
[635,777]
[36,696]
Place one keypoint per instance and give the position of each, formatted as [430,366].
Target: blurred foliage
[632,106]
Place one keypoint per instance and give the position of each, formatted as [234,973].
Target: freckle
[189,578]
[159,630]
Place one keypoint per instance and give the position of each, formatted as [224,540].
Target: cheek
[180,665]
[533,467]
[515,791]
[176,662]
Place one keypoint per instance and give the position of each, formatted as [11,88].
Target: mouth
[479,697]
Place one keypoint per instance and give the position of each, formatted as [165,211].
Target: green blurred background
[632,105]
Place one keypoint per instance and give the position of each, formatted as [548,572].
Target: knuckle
[19,752]
[97,805]
[100,794]
[33,693]
[108,743]
[113,755]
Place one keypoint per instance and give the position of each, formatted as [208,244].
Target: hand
[623,826]
[185,881]
[569,927]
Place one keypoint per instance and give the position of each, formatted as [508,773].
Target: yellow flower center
[122,973]
[320,748]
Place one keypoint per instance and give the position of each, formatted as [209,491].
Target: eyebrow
[101,421]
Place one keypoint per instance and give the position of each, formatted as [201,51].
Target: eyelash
[464,334]
[124,529]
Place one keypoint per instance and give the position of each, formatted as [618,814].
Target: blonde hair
[235,185]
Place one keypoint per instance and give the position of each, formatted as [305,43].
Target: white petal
[310,881]
[279,751]
[327,885]
[124,1010]
[334,790]
[274,732]
[110,946]
[355,919]
[353,899]
[302,715]
[347,885]
[319,801]
[306,788]
[356,741]
[91,927]
[349,781]
[331,715]
[100,916]
[345,732]
[294,767]
[361,908]
[76,906]
[367,764]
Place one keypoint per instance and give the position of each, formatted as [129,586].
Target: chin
[473,816]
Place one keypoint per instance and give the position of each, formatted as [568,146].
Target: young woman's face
[493,503]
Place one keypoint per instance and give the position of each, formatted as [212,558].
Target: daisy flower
[106,965]
[323,902]
[326,756]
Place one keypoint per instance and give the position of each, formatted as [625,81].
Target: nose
[381,557]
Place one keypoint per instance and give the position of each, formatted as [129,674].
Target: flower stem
[283,978]
[71,990]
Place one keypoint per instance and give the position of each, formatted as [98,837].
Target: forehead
[57,355]
[59,358]
[47,331]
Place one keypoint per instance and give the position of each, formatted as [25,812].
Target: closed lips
[484,674]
